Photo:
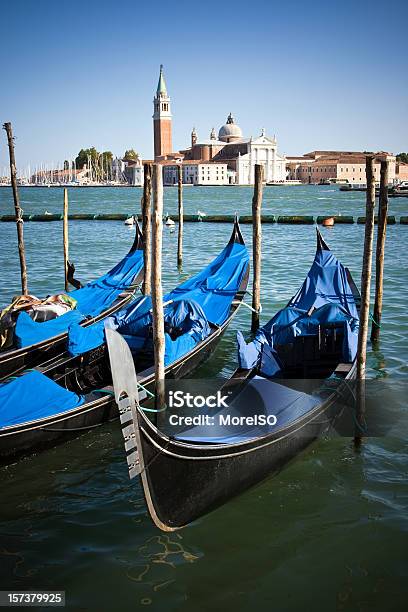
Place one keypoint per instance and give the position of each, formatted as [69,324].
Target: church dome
[230,131]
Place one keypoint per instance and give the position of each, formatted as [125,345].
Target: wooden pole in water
[365,294]
[65,238]
[366,269]
[157,296]
[181,218]
[19,216]
[256,245]
[147,227]
[379,262]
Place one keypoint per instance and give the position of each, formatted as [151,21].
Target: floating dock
[243,219]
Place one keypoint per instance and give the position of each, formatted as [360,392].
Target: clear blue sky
[319,74]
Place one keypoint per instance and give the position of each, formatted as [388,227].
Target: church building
[234,155]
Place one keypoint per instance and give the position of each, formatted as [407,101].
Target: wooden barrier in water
[390,220]
[243,219]
[296,219]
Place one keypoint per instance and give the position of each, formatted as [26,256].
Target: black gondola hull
[207,476]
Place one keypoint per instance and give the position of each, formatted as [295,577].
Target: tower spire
[162,119]
[161,85]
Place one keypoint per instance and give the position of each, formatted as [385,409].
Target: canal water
[328,533]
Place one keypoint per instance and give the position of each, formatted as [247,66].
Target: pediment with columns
[264,140]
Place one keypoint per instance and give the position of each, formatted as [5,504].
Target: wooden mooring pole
[18,211]
[65,238]
[157,296]
[379,261]
[147,227]
[256,246]
[365,296]
[181,218]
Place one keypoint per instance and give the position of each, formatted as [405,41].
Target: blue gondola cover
[324,298]
[33,396]
[191,307]
[94,298]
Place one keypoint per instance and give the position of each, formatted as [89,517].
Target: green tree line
[100,159]
[402,157]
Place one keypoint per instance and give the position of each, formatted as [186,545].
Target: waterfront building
[239,153]
[132,170]
[221,159]
[401,171]
[337,166]
[197,173]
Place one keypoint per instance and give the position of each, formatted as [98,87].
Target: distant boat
[201,214]
[130,220]
[169,222]
[288,183]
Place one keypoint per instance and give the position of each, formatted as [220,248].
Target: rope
[374,321]
[109,392]
[242,303]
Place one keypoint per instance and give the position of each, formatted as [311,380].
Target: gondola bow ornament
[127,397]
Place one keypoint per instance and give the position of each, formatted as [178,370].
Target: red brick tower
[162,120]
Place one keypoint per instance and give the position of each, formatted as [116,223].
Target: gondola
[35,342]
[310,344]
[73,393]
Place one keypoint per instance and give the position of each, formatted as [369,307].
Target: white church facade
[262,150]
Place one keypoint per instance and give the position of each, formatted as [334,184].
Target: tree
[82,157]
[131,154]
[402,157]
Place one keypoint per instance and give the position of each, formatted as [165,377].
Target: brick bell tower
[162,119]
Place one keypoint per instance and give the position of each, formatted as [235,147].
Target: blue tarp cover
[94,298]
[326,282]
[28,332]
[204,298]
[34,396]
[327,290]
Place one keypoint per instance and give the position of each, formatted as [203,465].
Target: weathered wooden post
[147,227]
[365,294]
[181,217]
[157,296]
[65,238]
[256,246]
[19,216]
[379,261]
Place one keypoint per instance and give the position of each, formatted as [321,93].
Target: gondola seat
[259,396]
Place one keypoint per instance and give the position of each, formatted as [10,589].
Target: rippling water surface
[328,533]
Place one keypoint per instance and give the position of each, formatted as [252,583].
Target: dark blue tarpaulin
[326,282]
[203,299]
[92,300]
[325,297]
[34,396]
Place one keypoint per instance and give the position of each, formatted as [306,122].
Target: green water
[328,533]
